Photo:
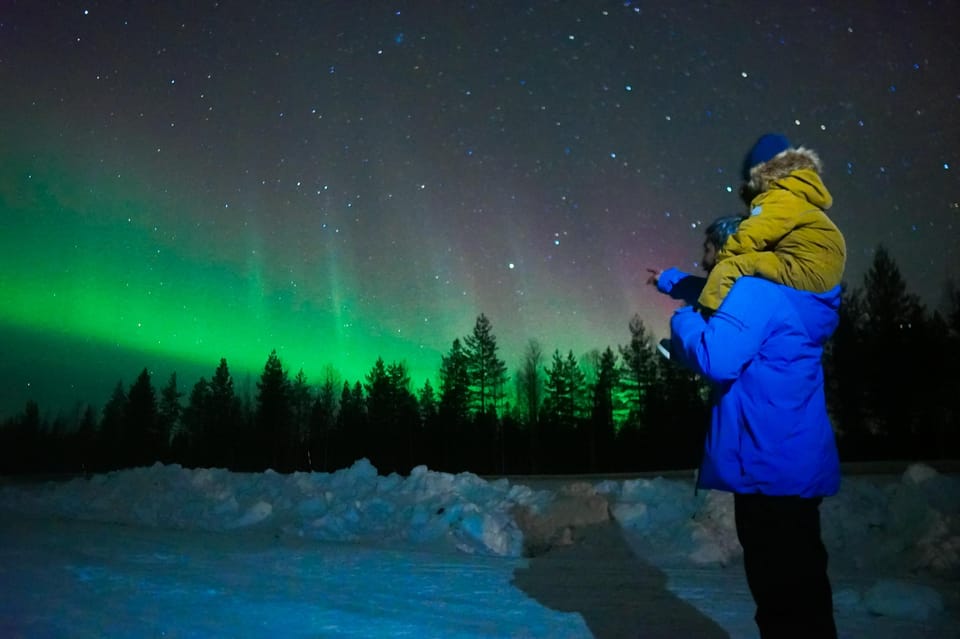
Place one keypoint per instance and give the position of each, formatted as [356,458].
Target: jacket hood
[817,311]
[795,170]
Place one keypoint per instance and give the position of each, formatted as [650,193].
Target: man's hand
[654,276]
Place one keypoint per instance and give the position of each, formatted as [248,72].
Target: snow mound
[901,525]
[354,504]
[575,505]
[909,525]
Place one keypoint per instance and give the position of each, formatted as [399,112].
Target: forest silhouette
[893,390]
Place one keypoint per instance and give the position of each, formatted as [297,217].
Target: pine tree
[562,413]
[427,402]
[455,384]
[392,414]
[323,419]
[194,433]
[223,422]
[380,414]
[638,369]
[487,372]
[274,416]
[352,423]
[301,403]
[890,310]
[144,443]
[406,417]
[22,442]
[454,407]
[529,380]
[602,427]
[86,441]
[677,417]
[112,426]
[429,408]
[170,414]
[894,362]
[565,390]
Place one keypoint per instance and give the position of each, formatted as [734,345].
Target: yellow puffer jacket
[788,237]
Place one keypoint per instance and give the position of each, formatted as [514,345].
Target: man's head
[716,236]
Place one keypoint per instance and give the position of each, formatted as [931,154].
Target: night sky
[182,181]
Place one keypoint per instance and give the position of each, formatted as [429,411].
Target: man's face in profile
[709,256]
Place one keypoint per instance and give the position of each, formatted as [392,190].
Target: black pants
[786,566]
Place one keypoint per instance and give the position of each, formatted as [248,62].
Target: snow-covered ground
[172,552]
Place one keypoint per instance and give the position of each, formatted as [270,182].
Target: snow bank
[675,520]
[907,525]
[354,504]
[902,524]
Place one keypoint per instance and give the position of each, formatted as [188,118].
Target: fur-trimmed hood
[765,175]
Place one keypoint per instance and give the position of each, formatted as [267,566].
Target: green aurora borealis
[103,277]
[183,182]
[72,272]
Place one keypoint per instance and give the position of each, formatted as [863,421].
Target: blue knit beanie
[764,150]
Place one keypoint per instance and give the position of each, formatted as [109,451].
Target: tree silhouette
[677,418]
[323,419]
[564,399]
[893,389]
[429,406]
[893,325]
[144,443]
[565,390]
[21,443]
[86,441]
[352,422]
[195,433]
[170,413]
[274,417]
[224,435]
[301,405]
[382,418]
[602,429]
[112,426]
[638,370]
[454,404]
[487,372]
[529,380]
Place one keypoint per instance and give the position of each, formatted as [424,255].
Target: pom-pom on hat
[764,150]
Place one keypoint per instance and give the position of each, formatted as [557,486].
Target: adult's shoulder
[759,299]
[756,285]
[753,298]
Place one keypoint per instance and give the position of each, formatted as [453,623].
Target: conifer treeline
[893,387]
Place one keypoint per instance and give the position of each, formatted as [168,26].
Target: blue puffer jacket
[762,351]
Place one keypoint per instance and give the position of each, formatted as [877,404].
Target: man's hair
[722,228]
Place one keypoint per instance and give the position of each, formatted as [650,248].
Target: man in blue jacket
[770,440]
